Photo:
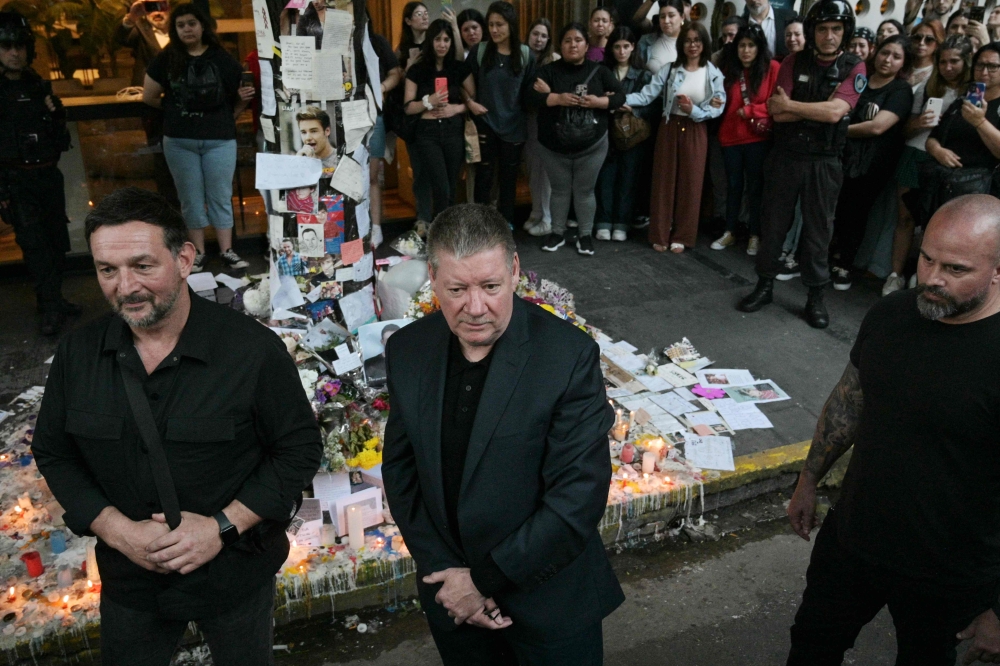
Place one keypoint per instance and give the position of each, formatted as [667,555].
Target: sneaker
[603,234]
[540,228]
[841,278]
[724,241]
[530,222]
[572,224]
[753,247]
[554,242]
[893,283]
[619,235]
[783,258]
[641,222]
[233,261]
[199,263]
[912,284]
[790,271]
[585,246]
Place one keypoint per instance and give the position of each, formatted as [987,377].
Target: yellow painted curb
[761,465]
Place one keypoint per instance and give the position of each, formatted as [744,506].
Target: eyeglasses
[692,42]
[991,67]
[419,15]
[925,39]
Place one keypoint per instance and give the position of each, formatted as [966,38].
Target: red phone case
[441,85]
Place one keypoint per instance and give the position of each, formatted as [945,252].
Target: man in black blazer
[496,462]
[773,20]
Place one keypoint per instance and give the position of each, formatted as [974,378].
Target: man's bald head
[959,267]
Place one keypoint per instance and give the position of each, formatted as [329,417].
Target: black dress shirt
[463,388]
[235,424]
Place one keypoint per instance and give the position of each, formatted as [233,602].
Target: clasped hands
[154,546]
[458,594]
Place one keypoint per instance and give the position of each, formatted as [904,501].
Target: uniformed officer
[810,130]
[32,136]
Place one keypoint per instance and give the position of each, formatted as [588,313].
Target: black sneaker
[841,278]
[790,270]
[554,242]
[641,222]
[233,260]
[585,246]
[199,263]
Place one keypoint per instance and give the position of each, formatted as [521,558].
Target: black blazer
[781,19]
[536,477]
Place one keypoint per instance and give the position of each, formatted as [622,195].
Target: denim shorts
[376,146]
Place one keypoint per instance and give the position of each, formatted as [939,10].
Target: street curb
[761,465]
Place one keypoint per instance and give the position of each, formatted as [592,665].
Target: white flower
[308,379]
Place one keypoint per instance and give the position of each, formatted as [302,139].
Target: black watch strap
[227,530]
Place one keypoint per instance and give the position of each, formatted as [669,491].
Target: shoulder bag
[577,128]
[759,126]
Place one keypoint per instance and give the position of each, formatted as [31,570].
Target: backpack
[202,86]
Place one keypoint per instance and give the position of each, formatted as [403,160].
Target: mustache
[476,320]
[935,291]
[133,299]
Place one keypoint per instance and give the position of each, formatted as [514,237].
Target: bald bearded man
[917,525]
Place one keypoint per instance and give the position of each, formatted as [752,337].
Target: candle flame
[667,479]
[646,477]
[10,592]
[66,599]
[90,584]
[17,509]
[294,543]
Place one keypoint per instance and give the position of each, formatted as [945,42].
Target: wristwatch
[227,530]
[427,103]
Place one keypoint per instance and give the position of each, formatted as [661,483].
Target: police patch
[860,83]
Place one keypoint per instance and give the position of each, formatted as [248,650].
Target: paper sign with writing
[297,61]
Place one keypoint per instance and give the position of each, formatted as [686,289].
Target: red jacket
[734,130]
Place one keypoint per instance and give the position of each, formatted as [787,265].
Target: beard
[157,313]
[948,306]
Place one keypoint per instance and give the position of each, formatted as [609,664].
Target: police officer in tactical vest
[32,136]
[816,90]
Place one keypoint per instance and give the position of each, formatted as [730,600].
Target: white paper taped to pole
[337,31]
[283,172]
[297,61]
[268,105]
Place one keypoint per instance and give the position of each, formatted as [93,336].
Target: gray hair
[469,229]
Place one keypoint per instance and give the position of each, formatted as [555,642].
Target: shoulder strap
[591,75]
[480,52]
[151,436]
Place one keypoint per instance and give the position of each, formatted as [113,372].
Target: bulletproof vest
[28,132]
[815,83]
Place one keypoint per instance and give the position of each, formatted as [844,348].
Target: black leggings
[503,159]
[438,154]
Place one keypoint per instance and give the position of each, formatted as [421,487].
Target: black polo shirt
[235,424]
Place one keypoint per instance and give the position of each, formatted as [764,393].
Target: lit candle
[631,420]
[90,585]
[355,527]
[620,429]
[10,594]
[65,600]
[18,510]
[648,462]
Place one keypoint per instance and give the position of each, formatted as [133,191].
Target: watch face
[230,535]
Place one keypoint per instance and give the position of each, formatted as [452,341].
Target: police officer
[32,136]
[816,90]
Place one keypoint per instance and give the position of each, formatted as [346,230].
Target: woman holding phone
[435,88]
[693,91]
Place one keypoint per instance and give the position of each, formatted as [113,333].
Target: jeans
[845,592]
[437,154]
[745,160]
[242,636]
[203,172]
[573,178]
[38,214]
[791,178]
[470,645]
[616,188]
[502,159]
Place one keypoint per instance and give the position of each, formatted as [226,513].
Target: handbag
[577,128]
[940,184]
[628,131]
[759,126]
[473,153]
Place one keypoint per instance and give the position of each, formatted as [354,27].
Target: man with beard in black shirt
[917,526]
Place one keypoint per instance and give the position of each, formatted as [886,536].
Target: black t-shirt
[864,155]
[922,491]
[963,139]
[424,73]
[181,123]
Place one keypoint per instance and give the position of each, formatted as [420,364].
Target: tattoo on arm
[837,425]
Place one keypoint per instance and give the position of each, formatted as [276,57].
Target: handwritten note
[297,61]
[345,274]
[363,215]
[267,127]
[363,267]
[268,105]
[328,75]
[742,415]
[337,30]
[358,308]
[275,230]
[264,30]
[346,179]
[352,251]
[710,453]
[355,114]
[285,172]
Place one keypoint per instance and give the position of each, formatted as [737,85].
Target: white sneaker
[619,235]
[530,222]
[572,224]
[724,241]
[603,234]
[753,247]
[893,283]
[913,281]
[541,228]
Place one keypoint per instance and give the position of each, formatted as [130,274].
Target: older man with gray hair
[496,461]
[917,525]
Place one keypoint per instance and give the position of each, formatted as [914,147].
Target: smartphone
[581,90]
[441,86]
[446,4]
[976,94]
[246,79]
[977,14]
[935,104]
[155,6]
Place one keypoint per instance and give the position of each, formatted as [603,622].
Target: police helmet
[866,34]
[824,11]
[15,30]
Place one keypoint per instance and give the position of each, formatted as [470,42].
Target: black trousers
[437,153]
[500,159]
[789,177]
[469,645]
[240,637]
[857,196]
[844,593]
[38,215]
